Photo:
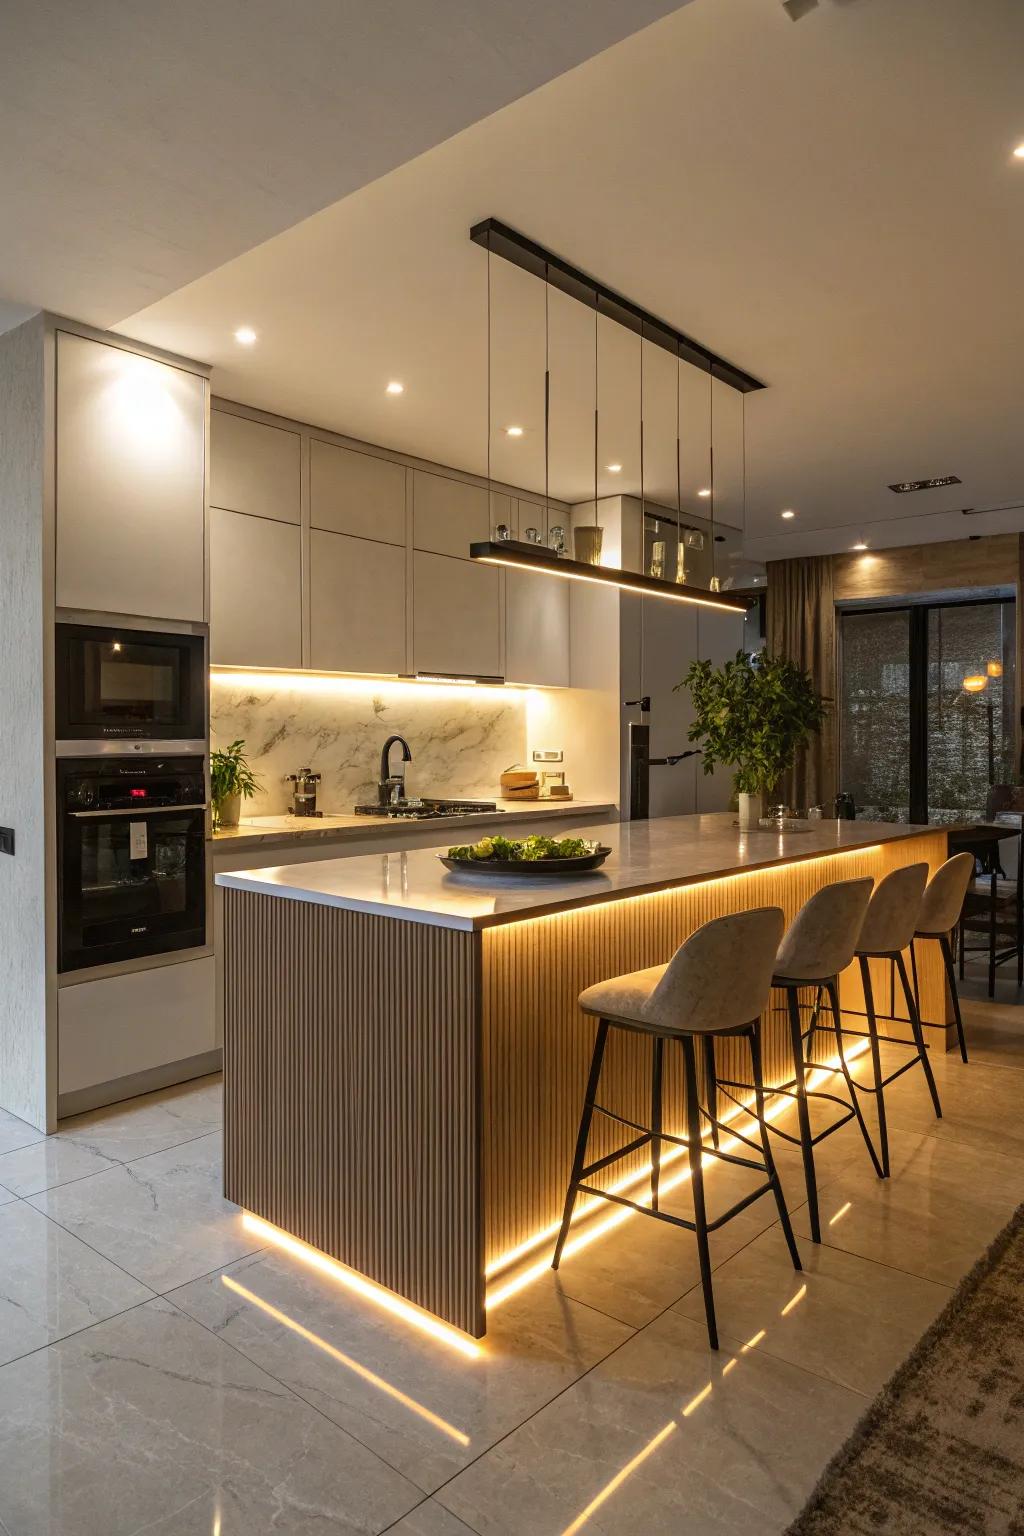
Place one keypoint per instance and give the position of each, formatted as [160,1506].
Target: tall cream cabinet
[130,502]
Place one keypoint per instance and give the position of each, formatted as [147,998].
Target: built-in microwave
[115,685]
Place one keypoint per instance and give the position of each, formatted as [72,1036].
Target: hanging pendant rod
[504,241]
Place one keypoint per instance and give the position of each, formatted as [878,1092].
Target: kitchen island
[404,1056]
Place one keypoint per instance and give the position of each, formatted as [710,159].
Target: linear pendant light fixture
[502,241]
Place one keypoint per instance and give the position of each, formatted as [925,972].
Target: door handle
[148,810]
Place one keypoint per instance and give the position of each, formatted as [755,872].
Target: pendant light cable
[679,469]
[490,498]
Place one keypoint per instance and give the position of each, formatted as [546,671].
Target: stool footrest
[613,1157]
[677,1221]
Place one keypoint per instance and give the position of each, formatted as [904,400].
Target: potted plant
[231,781]
[752,714]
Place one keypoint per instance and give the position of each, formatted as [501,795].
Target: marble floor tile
[982,1106]
[844,1318]
[45,1164]
[430,1519]
[664,1436]
[16,1133]
[424,1408]
[163,1218]
[150,1423]
[151,1123]
[934,1217]
[51,1284]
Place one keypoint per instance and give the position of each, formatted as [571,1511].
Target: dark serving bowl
[578,866]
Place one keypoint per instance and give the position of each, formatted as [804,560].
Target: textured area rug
[940,1452]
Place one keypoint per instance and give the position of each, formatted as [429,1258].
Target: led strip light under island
[405,1059]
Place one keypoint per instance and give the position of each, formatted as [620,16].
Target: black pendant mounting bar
[527,557]
[508,243]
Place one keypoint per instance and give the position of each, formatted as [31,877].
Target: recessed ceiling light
[1018,153]
[614,469]
[861,545]
[245,335]
[513,431]
[787,513]
[705,492]
[394,388]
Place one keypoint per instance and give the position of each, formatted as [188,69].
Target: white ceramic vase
[751,809]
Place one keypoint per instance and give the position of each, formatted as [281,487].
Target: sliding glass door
[926,710]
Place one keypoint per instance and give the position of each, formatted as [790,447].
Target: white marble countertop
[281,830]
[646,856]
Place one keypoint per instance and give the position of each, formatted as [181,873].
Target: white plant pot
[751,809]
[228,811]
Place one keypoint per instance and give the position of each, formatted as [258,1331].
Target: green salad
[529,850]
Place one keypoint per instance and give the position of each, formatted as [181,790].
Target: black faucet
[391,787]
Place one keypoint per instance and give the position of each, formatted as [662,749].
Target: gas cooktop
[427,810]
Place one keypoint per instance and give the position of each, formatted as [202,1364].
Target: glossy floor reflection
[162,1371]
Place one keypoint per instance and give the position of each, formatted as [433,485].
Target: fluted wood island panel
[404,1057]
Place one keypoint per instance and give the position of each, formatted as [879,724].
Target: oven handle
[137,812]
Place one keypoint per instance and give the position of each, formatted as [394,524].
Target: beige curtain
[801,624]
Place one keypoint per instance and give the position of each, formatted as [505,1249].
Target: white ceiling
[145,143]
[832,204]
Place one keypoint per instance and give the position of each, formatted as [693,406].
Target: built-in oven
[131,858]
[115,685]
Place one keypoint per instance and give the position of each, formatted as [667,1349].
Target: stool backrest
[891,919]
[944,896]
[822,938]
[721,976]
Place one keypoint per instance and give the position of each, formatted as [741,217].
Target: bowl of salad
[537,855]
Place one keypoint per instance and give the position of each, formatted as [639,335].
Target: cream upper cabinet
[456,616]
[255,591]
[130,483]
[536,629]
[449,515]
[356,604]
[356,493]
[254,467]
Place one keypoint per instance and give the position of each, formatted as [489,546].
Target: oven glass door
[129,683]
[131,885]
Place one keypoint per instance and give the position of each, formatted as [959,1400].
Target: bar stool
[941,906]
[705,991]
[889,926]
[818,946]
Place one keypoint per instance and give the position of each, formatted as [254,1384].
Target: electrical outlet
[547,754]
[7,840]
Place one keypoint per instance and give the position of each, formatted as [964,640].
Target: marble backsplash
[461,739]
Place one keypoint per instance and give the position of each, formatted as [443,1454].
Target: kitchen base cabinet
[457,617]
[255,591]
[356,604]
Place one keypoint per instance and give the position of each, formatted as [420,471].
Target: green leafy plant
[752,714]
[230,774]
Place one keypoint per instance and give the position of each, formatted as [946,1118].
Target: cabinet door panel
[253,467]
[357,604]
[536,629]
[129,487]
[255,591]
[456,616]
[356,493]
[448,515]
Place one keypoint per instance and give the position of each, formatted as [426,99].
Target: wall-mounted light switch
[7,840]
[547,754]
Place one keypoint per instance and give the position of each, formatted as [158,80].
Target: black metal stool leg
[806,1147]
[580,1154]
[876,1063]
[769,1161]
[695,1151]
[918,1033]
[913,969]
[658,1052]
[947,956]
[833,999]
[711,1075]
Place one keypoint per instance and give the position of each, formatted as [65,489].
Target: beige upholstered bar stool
[817,948]
[940,913]
[717,983]
[889,926]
